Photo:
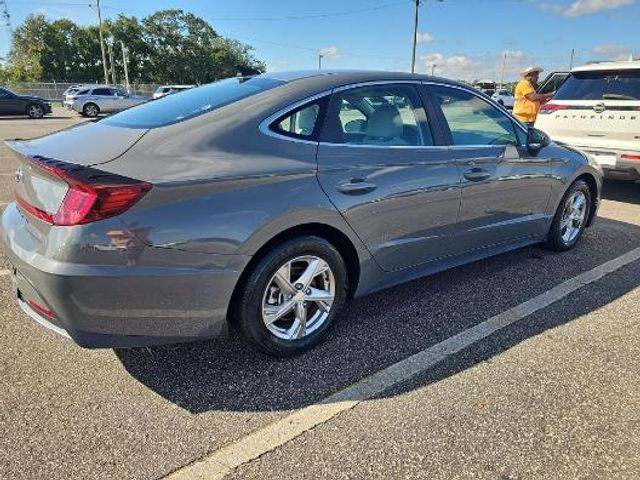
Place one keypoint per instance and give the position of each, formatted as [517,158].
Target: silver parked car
[268,202]
[169,89]
[90,102]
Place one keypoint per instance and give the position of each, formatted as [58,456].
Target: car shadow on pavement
[380,329]
[622,191]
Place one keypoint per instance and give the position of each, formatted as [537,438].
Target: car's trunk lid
[91,143]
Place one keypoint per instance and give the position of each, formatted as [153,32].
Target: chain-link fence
[55,91]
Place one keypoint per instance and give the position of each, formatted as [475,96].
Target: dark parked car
[268,202]
[14,104]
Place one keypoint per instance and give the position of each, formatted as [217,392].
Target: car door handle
[356,186]
[476,174]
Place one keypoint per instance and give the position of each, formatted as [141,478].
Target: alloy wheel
[35,111]
[299,297]
[573,216]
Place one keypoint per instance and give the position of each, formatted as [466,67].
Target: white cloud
[473,67]
[455,66]
[586,7]
[612,51]
[331,51]
[424,37]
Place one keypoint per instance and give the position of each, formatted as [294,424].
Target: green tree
[169,46]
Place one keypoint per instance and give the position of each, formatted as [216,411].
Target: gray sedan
[268,202]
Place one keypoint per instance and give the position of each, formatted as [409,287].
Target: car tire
[90,110]
[571,217]
[267,312]
[35,110]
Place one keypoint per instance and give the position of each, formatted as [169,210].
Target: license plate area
[604,159]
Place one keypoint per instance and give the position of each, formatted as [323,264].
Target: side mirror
[537,140]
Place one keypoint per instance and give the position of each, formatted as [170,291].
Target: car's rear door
[384,167]
[596,109]
[505,190]
[104,98]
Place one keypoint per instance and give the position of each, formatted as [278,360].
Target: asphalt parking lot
[555,394]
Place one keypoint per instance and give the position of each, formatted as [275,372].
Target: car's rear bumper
[613,161]
[117,306]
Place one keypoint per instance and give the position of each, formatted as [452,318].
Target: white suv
[597,110]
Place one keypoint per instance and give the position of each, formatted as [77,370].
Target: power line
[307,16]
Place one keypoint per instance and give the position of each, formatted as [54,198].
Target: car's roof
[608,66]
[340,77]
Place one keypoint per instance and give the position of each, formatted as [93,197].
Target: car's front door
[396,186]
[10,104]
[505,189]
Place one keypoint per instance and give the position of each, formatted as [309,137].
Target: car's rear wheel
[571,218]
[90,110]
[292,296]
[35,111]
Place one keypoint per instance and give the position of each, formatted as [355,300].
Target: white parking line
[224,460]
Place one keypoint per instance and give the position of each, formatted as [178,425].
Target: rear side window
[191,103]
[385,115]
[82,92]
[623,85]
[101,91]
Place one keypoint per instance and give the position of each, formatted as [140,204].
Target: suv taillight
[552,107]
[92,194]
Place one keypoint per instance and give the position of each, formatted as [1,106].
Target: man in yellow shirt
[527,101]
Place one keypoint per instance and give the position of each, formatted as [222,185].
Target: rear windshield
[190,103]
[601,86]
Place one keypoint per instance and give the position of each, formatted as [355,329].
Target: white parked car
[503,97]
[597,110]
[169,89]
[93,101]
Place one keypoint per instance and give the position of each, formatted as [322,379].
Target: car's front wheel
[571,218]
[90,110]
[35,111]
[292,296]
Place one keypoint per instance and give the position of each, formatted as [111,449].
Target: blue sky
[463,38]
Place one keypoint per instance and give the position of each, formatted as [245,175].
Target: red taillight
[92,195]
[40,309]
[629,156]
[552,107]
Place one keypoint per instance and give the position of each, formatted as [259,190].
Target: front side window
[191,103]
[385,115]
[623,85]
[300,123]
[472,120]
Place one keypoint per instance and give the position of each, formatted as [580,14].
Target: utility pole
[433,69]
[504,63]
[104,58]
[573,53]
[320,56]
[126,68]
[112,63]
[415,37]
